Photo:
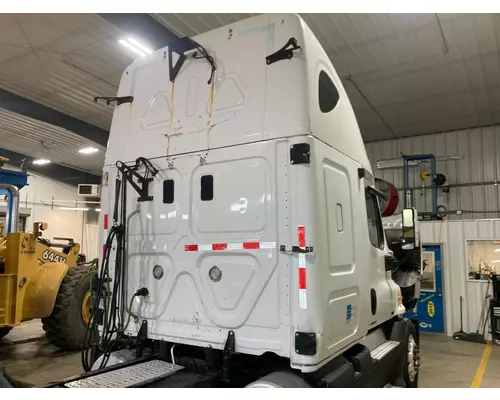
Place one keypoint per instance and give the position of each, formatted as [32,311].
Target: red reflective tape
[251,245]
[302,278]
[219,246]
[191,247]
[302,236]
[104,251]
[105,221]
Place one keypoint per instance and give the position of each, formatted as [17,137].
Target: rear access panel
[213,232]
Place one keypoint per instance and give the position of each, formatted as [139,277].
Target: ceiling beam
[59,173]
[32,109]
[144,26]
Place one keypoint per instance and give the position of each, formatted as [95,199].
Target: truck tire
[411,365]
[4,331]
[66,327]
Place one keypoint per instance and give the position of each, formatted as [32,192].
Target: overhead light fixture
[88,150]
[136,47]
[41,161]
[140,46]
[74,208]
[98,209]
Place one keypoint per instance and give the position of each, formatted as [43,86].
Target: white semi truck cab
[243,244]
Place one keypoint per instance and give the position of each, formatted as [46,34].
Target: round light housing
[158,272]
[215,274]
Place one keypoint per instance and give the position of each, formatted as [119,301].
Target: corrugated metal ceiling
[37,139]
[410,73]
[62,61]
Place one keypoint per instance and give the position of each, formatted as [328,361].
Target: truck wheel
[412,358]
[279,379]
[66,327]
[4,331]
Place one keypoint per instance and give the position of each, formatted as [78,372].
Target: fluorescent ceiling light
[74,208]
[495,261]
[88,150]
[98,209]
[497,250]
[135,47]
[41,161]
[139,45]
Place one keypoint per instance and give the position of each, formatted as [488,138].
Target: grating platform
[381,351]
[131,376]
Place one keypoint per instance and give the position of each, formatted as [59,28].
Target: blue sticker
[348,312]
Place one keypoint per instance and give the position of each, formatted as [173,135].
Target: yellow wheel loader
[37,281]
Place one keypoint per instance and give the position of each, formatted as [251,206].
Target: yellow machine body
[32,275]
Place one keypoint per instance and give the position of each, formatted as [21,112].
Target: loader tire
[65,327]
[4,331]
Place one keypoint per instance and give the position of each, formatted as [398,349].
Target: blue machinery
[17,179]
[406,191]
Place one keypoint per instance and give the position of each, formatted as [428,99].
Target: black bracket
[229,350]
[181,47]
[118,100]
[142,336]
[230,346]
[142,184]
[286,52]
[300,153]
[297,249]
[305,343]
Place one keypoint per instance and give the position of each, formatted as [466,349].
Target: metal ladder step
[382,350]
[131,376]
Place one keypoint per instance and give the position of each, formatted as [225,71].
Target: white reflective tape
[267,245]
[235,246]
[204,247]
[302,299]
[302,260]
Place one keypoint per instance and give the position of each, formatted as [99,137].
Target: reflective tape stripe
[302,299]
[251,245]
[302,281]
[105,221]
[231,246]
[302,278]
[301,235]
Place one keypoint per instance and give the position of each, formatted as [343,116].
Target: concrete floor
[445,363]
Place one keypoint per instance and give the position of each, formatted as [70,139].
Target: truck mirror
[409,231]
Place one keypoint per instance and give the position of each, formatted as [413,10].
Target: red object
[302,236]
[388,207]
[302,278]
[105,221]
[191,247]
[392,202]
[251,245]
[103,251]
[219,246]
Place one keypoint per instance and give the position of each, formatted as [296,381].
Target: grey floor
[445,363]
